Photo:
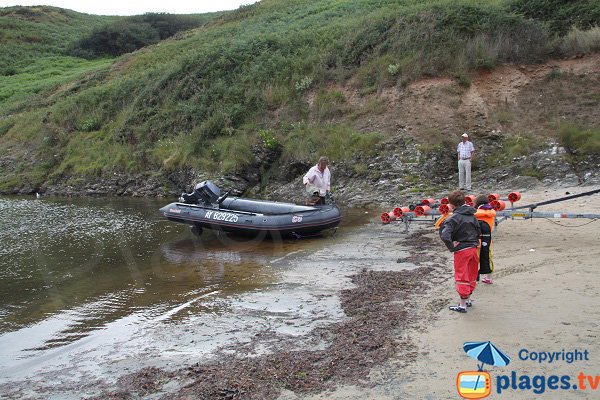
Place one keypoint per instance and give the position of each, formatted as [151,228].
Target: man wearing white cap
[465,152]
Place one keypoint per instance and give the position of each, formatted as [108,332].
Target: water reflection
[93,262]
[107,278]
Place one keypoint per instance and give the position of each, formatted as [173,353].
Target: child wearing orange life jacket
[486,215]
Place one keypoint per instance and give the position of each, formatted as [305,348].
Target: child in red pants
[460,233]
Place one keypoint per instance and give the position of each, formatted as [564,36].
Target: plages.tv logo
[474,384]
[478,384]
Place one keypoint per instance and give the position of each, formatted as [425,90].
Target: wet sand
[345,307]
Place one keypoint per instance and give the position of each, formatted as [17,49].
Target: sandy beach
[544,299]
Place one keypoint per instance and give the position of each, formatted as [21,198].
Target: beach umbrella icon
[487,353]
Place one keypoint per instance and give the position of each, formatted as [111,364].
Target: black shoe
[458,309]
[469,303]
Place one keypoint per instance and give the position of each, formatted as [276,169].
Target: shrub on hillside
[28,34]
[578,42]
[132,33]
[579,141]
[579,144]
[330,104]
[456,38]
[268,139]
[114,40]
[562,15]
[5,126]
[520,145]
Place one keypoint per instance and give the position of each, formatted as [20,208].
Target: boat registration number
[221,216]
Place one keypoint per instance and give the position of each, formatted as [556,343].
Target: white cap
[465,134]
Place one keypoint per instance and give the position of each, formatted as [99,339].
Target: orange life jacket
[487,216]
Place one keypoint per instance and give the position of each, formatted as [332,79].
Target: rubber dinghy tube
[446,208]
[400,211]
[422,210]
[387,217]
[498,205]
[493,196]
[513,197]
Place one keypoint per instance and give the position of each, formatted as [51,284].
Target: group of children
[468,235]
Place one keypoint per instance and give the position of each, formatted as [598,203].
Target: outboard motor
[329,200]
[205,192]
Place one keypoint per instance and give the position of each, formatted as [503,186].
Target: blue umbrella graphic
[487,353]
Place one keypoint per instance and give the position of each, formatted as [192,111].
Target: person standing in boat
[317,180]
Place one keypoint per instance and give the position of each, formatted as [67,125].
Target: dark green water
[89,282]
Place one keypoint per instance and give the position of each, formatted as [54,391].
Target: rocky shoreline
[388,179]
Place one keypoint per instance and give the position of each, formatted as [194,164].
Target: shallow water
[89,285]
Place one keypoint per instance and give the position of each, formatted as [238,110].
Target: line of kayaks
[207,208]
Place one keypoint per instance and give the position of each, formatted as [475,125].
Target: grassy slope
[32,63]
[28,34]
[244,79]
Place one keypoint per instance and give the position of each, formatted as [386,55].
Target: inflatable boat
[207,208]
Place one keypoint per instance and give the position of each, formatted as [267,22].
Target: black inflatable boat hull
[256,217]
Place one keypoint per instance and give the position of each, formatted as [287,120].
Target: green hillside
[42,47]
[263,76]
[30,33]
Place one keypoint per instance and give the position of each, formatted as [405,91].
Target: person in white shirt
[465,151]
[318,179]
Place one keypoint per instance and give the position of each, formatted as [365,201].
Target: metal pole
[537,214]
[542,203]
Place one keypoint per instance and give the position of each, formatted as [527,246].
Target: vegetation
[533,172]
[578,42]
[28,34]
[513,147]
[303,141]
[203,99]
[330,104]
[562,15]
[42,75]
[521,145]
[133,33]
[579,143]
